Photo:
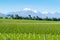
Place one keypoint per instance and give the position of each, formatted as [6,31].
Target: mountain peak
[30,9]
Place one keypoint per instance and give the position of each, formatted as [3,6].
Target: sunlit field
[11,29]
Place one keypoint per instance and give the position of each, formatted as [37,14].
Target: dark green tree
[1,17]
[38,18]
[17,16]
[54,19]
[12,16]
[34,18]
[46,18]
[6,17]
[30,17]
[58,19]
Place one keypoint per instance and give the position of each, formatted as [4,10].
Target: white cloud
[26,9]
[36,11]
[45,12]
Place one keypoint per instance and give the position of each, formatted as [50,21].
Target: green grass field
[29,30]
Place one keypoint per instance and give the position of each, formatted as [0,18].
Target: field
[29,30]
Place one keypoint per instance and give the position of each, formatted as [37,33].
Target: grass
[29,36]
[35,29]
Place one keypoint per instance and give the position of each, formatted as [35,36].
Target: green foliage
[6,17]
[1,17]
[12,16]
[16,16]
[29,30]
[30,17]
[29,36]
[29,26]
[55,19]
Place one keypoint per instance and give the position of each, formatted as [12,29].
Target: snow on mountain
[54,15]
[2,15]
[28,11]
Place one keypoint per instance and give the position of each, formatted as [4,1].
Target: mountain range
[26,11]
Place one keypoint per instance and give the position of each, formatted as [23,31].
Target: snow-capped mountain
[2,15]
[54,15]
[28,11]
[25,12]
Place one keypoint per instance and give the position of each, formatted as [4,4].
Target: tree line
[30,18]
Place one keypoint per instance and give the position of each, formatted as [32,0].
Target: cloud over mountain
[29,11]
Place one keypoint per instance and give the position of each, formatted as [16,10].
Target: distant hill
[26,11]
[2,15]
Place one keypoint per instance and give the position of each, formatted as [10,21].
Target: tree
[38,18]
[6,17]
[1,17]
[12,16]
[54,19]
[58,19]
[34,18]
[16,16]
[46,18]
[30,17]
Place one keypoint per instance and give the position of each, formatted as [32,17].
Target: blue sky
[17,5]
